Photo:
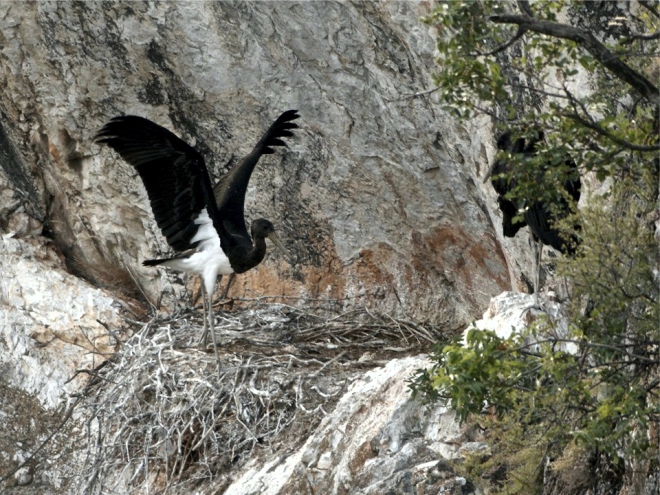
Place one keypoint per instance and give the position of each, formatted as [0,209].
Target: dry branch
[162,419]
[590,43]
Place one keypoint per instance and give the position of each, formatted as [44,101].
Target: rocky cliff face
[378,197]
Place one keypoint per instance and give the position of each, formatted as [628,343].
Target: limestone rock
[510,313]
[52,322]
[378,198]
[376,440]
[52,325]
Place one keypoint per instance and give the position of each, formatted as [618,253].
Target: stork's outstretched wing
[230,190]
[174,175]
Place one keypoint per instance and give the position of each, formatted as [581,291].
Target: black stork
[204,224]
[538,215]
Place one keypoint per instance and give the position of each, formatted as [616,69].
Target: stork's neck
[258,251]
[246,258]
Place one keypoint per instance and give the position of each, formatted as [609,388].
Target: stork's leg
[205,335]
[567,291]
[231,279]
[211,325]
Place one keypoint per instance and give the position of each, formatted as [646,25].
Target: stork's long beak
[278,243]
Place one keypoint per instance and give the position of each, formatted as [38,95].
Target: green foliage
[484,371]
[616,276]
[533,83]
[534,398]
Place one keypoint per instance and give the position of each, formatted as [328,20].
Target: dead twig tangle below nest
[161,418]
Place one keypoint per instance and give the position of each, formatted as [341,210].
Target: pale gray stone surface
[379,197]
[51,323]
[373,442]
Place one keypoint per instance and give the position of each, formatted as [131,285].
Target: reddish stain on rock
[446,261]
[463,258]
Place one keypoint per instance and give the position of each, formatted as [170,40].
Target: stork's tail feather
[155,262]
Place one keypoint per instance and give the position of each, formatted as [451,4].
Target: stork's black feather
[184,204]
[230,190]
[174,174]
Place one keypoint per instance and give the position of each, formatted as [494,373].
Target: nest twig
[162,418]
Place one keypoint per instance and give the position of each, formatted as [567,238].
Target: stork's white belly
[209,260]
[202,262]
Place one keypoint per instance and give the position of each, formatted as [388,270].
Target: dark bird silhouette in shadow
[204,224]
[540,216]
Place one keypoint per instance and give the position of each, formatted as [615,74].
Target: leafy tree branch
[589,41]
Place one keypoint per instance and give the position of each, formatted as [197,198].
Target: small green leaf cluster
[474,375]
[468,78]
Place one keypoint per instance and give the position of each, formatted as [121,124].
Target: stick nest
[163,418]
